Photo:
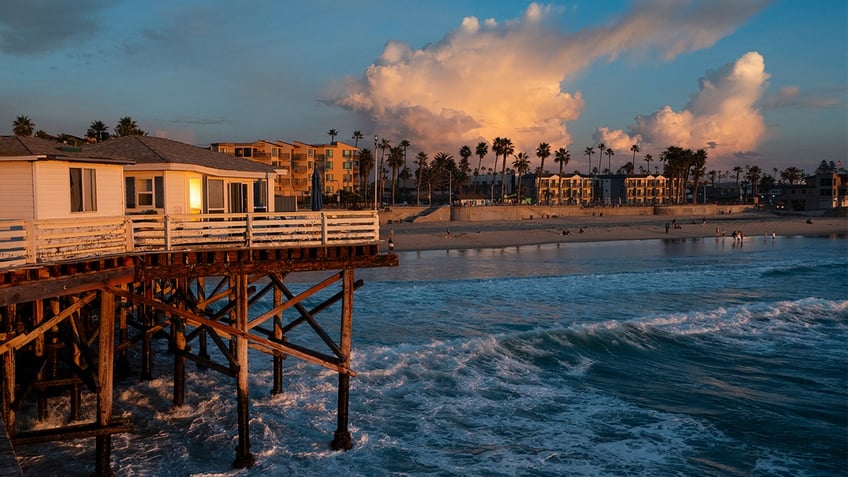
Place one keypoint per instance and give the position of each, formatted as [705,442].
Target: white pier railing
[27,242]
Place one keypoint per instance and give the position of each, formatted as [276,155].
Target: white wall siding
[53,186]
[16,197]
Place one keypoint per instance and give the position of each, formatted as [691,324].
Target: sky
[753,82]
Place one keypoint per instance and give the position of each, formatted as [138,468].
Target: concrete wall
[527,212]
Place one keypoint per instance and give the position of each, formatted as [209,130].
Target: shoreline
[499,234]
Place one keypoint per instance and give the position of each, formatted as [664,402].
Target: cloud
[790,96]
[486,79]
[723,117]
[29,27]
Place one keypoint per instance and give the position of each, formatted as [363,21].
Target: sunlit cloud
[722,118]
[488,78]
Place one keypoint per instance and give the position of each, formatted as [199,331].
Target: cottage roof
[38,148]
[158,150]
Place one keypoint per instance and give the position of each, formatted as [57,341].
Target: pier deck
[67,322]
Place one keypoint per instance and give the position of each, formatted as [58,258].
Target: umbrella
[317,199]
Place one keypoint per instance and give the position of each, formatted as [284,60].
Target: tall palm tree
[521,165]
[421,162]
[648,159]
[542,152]
[127,127]
[405,145]
[698,167]
[97,132]
[588,152]
[753,174]
[497,148]
[563,157]
[508,149]
[635,149]
[357,135]
[395,162]
[366,163]
[441,168]
[481,151]
[610,153]
[465,153]
[378,179]
[601,149]
[333,133]
[23,126]
[738,170]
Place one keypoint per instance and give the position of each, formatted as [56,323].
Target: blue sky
[755,82]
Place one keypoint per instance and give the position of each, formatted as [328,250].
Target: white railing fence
[24,242]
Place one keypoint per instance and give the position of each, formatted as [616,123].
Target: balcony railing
[30,242]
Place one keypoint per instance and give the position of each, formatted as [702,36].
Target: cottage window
[83,189]
[146,192]
[215,196]
[260,194]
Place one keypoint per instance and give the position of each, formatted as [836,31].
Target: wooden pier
[74,298]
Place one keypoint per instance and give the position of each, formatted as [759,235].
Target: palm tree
[521,164]
[497,148]
[395,162]
[482,150]
[128,127]
[563,157]
[542,152]
[405,145]
[465,153]
[366,162]
[648,159]
[601,149]
[738,170]
[610,153]
[333,133]
[635,149]
[698,167]
[42,134]
[508,149]
[588,152]
[97,132]
[23,126]
[441,168]
[378,179]
[421,162]
[753,174]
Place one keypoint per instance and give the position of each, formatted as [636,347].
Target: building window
[328,153]
[275,152]
[148,192]
[215,196]
[83,190]
[347,153]
[328,166]
[346,165]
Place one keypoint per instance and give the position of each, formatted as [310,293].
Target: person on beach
[666,227]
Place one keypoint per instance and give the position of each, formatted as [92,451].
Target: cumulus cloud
[486,79]
[28,27]
[723,117]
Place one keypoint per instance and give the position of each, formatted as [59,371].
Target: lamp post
[375,172]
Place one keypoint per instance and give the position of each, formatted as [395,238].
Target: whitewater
[656,357]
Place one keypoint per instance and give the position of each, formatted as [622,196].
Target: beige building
[295,162]
[576,189]
[648,190]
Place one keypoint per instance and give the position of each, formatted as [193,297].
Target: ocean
[698,357]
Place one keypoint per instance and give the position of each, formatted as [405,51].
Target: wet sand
[498,234]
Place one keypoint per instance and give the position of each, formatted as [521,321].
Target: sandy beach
[497,234]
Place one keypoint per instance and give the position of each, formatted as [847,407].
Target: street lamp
[374,160]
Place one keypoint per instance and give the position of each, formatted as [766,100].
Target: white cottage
[43,179]
[173,178]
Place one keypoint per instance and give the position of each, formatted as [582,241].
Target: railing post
[323,228]
[31,241]
[167,230]
[128,234]
[248,230]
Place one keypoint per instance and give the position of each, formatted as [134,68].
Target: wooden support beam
[342,439]
[105,376]
[244,458]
